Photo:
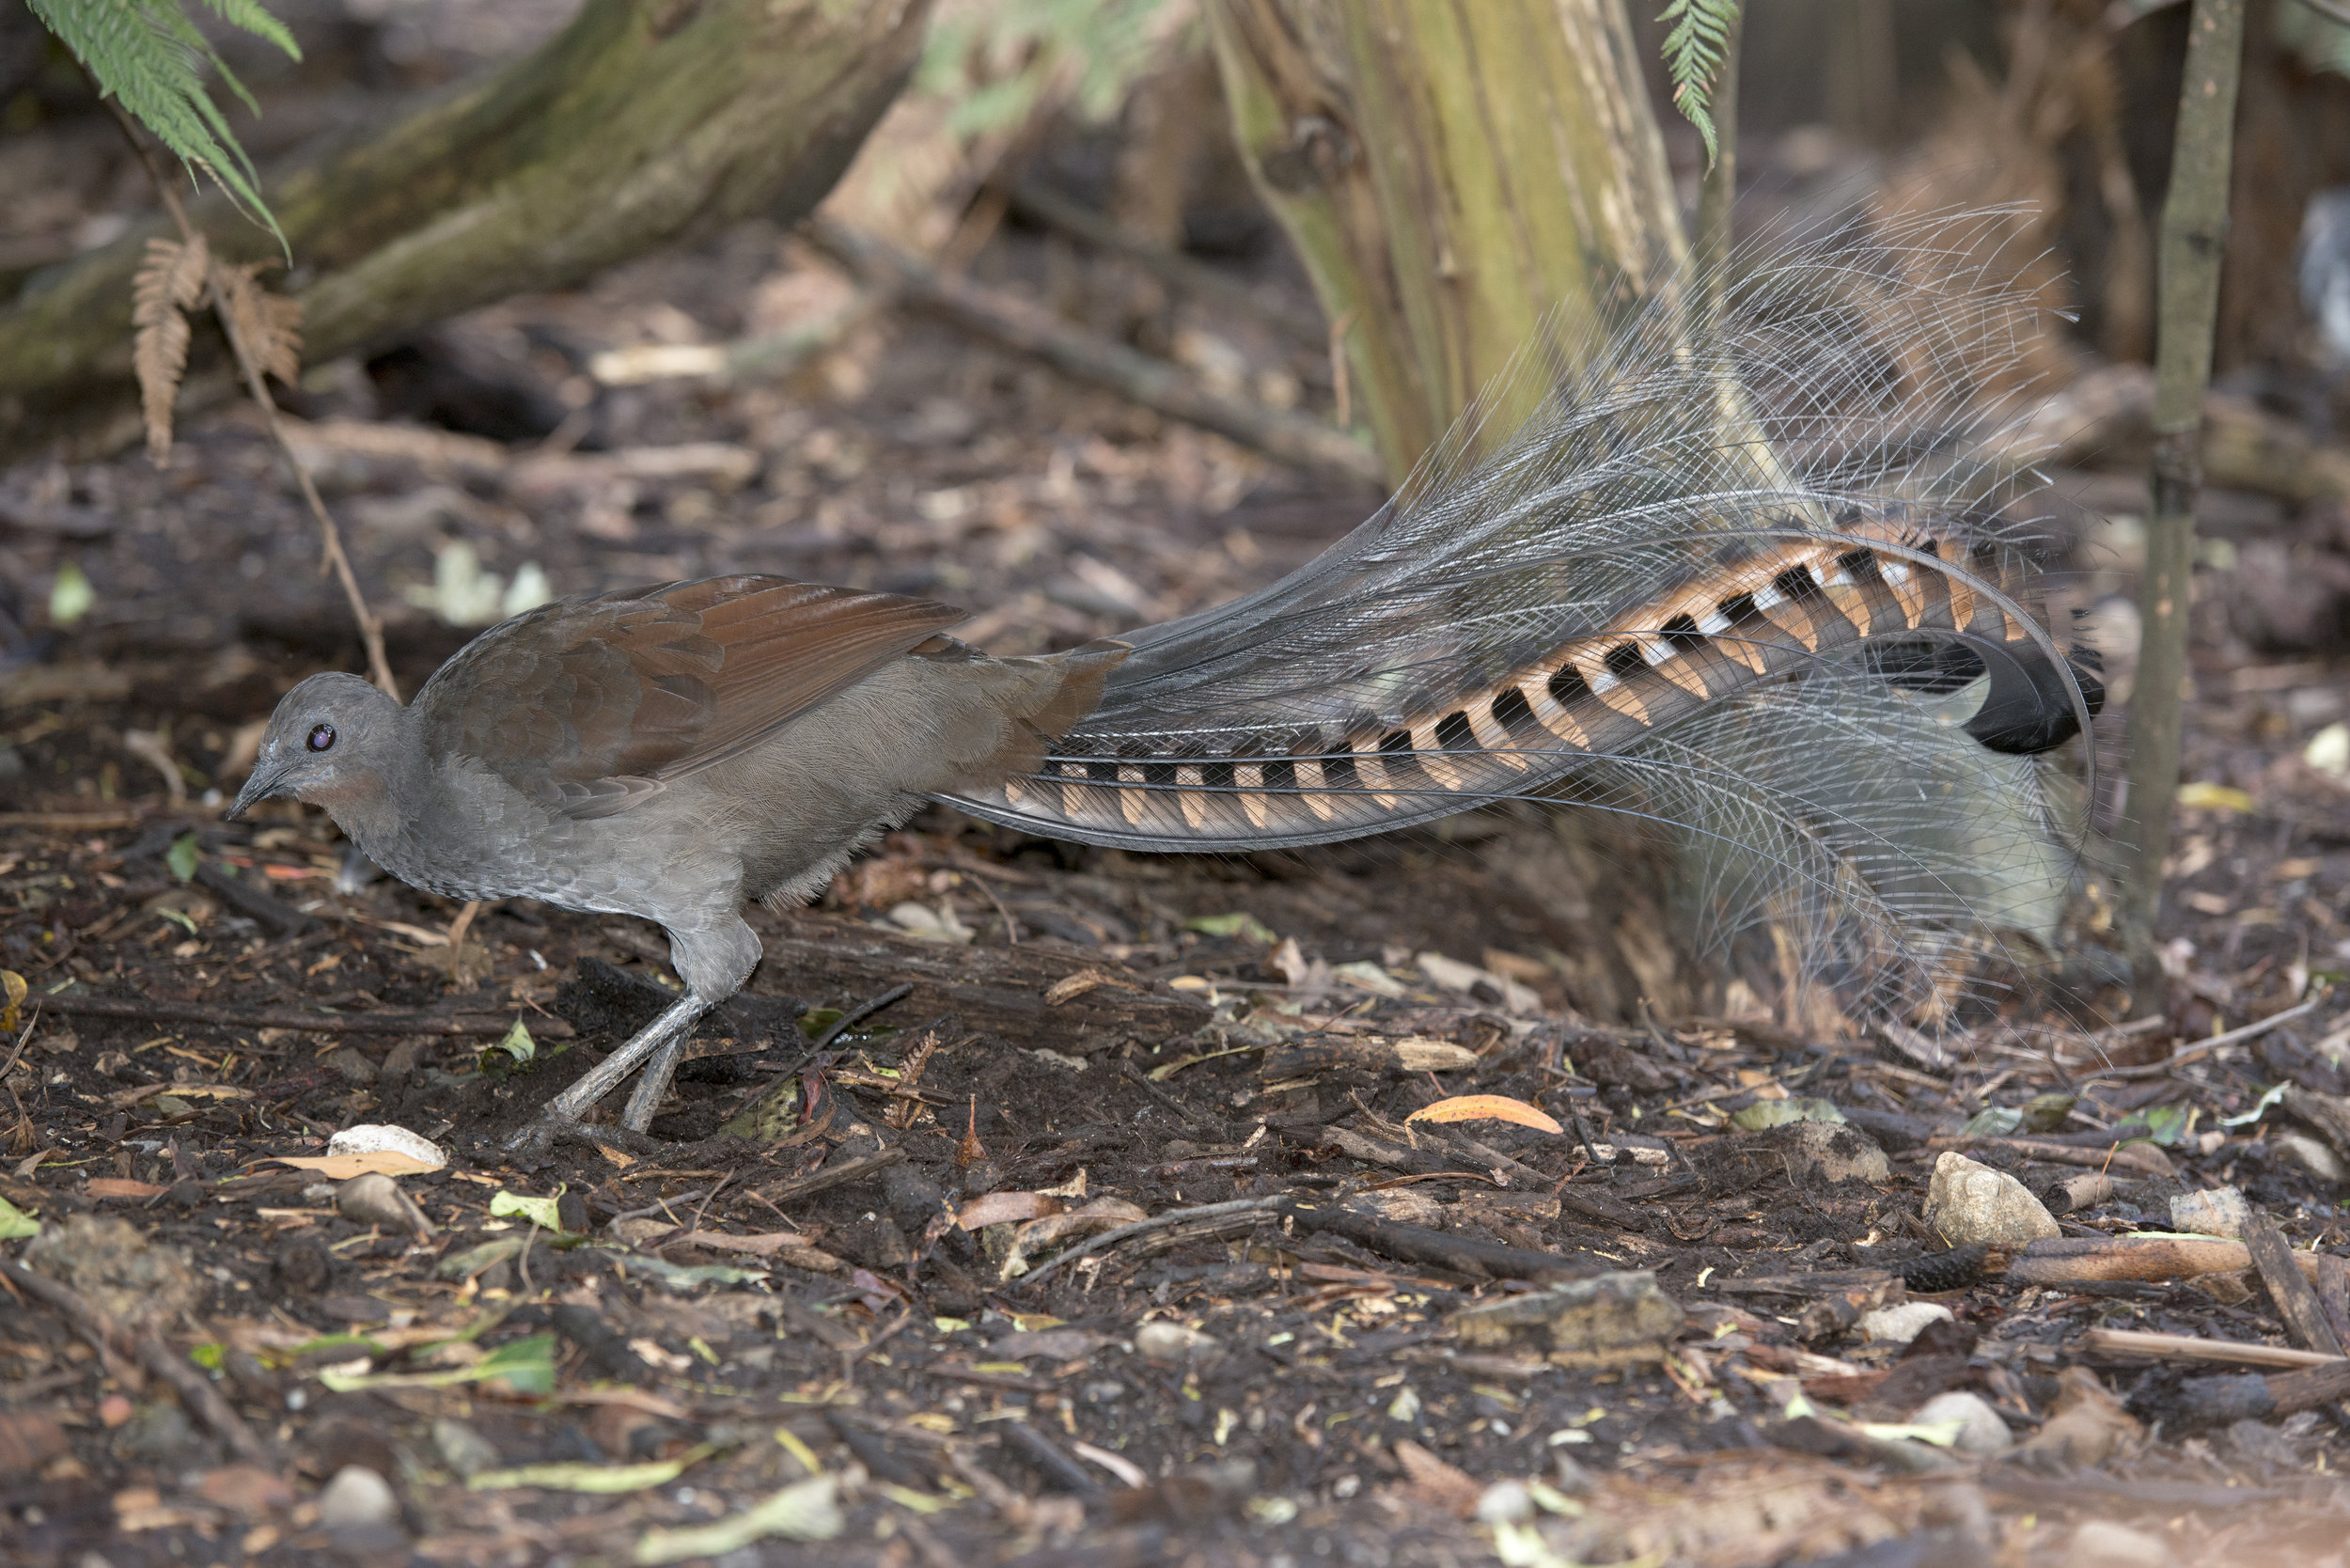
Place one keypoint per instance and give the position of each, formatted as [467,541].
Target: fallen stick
[832,1176]
[109,1337]
[2204,1048]
[1024,327]
[2193,1347]
[1140,1226]
[1180,272]
[1464,1255]
[150,1009]
[2289,1285]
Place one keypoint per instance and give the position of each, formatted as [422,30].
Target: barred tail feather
[1752,581]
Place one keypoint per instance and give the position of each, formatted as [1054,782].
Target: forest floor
[1113,1238]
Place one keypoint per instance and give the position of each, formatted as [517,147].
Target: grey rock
[1967,1201]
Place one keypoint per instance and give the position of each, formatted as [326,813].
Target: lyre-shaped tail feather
[1705,554]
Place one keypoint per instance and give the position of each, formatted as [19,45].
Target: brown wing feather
[592,703]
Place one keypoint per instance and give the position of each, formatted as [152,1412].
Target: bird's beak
[266,779]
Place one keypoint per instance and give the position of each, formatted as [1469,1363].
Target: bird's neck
[373,806]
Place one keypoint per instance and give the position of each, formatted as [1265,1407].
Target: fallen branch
[1024,327]
[1464,1255]
[110,1338]
[2205,1047]
[832,1176]
[1143,1227]
[150,1009]
[1202,282]
[634,128]
[2193,1347]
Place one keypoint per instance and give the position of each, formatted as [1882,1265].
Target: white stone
[357,1497]
[2103,1543]
[1981,1434]
[1164,1342]
[2220,1212]
[1968,1201]
[370,1137]
[1903,1322]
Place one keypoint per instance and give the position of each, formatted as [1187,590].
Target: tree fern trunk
[1462,182]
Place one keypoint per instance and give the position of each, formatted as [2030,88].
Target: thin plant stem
[2193,239]
[331,538]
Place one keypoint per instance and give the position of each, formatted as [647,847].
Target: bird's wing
[592,704]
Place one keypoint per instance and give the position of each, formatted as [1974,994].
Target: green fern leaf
[150,58]
[1693,51]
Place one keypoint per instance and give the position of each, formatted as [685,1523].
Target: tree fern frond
[151,59]
[1693,55]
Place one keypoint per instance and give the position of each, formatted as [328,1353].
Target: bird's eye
[321,737]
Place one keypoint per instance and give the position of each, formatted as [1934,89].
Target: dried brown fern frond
[270,324]
[169,282]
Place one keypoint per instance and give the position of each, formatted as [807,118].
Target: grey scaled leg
[661,1039]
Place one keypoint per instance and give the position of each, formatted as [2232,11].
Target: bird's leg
[666,1036]
[653,1084]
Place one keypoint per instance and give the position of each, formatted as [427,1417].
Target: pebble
[375,1198]
[2317,1158]
[2103,1543]
[1504,1502]
[355,1499]
[2220,1212]
[1968,1201]
[1168,1342]
[1981,1434]
[1899,1324]
[1833,1151]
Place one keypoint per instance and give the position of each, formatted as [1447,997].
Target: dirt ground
[1110,1236]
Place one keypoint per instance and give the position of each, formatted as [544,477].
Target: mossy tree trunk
[1463,182]
[643,123]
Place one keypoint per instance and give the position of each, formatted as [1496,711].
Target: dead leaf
[2088,1424]
[271,324]
[1486,1107]
[169,282]
[28,1440]
[1432,1481]
[971,1152]
[122,1186]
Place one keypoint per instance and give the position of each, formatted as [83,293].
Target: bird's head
[333,740]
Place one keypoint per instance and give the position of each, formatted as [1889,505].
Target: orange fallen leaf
[121,1186]
[1485,1107]
[1001,1208]
[342,1167]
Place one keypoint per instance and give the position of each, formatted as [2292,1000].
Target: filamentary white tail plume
[1752,578]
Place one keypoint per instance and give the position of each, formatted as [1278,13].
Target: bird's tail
[1750,576]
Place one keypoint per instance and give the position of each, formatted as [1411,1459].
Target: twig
[2205,1047]
[148,1009]
[1141,1227]
[860,1012]
[331,538]
[108,1335]
[832,1176]
[1027,328]
[2195,1347]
